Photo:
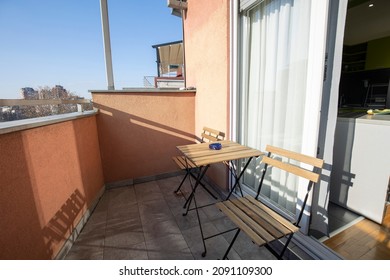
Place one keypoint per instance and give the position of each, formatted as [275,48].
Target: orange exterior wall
[49,176]
[139,131]
[207,53]
[206,28]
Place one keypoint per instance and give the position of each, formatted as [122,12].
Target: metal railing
[14,109]
[149,82]
[34,102]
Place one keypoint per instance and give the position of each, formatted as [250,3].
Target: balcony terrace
[56,170]
[144,221]
[99,184]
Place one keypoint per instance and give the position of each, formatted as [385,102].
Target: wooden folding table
[202,156]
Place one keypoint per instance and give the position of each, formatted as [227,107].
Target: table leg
[198,180]
[238,178]
[193,198]
[233,172]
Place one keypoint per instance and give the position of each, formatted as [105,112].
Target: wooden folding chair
[262,224]
[207,135]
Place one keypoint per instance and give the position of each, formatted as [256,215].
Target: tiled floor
[145,221]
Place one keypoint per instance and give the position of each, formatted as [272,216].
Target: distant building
[28,93]
[170,65]
[60,92]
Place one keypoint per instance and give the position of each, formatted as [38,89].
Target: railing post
[80,108]
[107,44]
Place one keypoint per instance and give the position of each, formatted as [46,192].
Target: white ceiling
[364,23]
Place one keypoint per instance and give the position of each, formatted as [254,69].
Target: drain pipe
[184,49]
[107,44]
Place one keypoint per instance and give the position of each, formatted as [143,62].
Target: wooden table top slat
[201,154]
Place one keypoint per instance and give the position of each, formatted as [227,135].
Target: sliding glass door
[280,83]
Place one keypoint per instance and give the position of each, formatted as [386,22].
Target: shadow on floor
[145,222]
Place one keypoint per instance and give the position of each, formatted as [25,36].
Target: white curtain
[275,47]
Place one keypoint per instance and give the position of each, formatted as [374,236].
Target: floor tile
[123,196]
[160,229]
[247,250]
[148,191]
[83,252]
[123,239]
[133,252]
[171,246]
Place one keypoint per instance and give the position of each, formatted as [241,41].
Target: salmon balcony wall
[206,27]
[139,131]
[50,175]
[207,51]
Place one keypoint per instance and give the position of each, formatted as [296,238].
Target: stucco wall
[206,27]
[139,131]
[207,60]
[49,176]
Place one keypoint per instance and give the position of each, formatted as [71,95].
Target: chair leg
[182,181]
[204,187]
[231,244]
[187,203]
[236,183]
[238,180]
[285,246]
[233,171]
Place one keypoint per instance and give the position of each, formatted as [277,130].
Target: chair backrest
[275,158]
[212,135]
[281,158]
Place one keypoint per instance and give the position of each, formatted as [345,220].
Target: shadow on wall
[338,177]
[342,178]
[138,133]
[43,194]
[63,222]
[320,211]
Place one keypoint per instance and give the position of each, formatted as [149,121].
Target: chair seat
[259,222]
[209,135]
[183,163]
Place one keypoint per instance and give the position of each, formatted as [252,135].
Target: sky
[60,42]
